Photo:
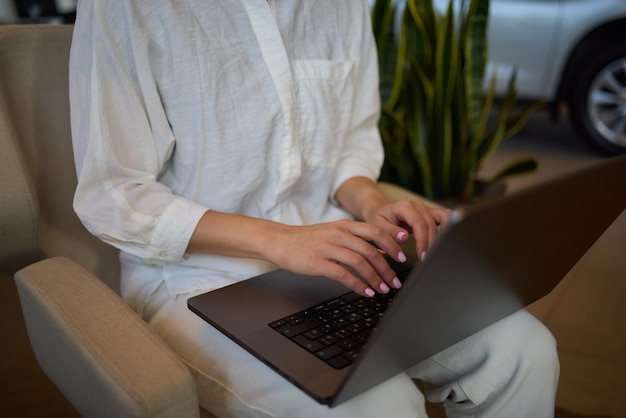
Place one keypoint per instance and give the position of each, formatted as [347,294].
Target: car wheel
[598,101]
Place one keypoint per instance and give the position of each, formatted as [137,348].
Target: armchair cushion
[395,193]
[37,173]
[97,351]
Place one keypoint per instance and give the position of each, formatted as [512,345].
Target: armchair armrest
[395,193]
[96,350]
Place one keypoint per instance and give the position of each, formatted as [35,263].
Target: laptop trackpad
[263,299]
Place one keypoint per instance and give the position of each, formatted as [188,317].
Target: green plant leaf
[439,121]
[423,16]
[517,122]
[383,14]
[491,142]
[446,73]
[475,54]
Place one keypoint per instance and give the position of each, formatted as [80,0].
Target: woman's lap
[232,382]
[496,367]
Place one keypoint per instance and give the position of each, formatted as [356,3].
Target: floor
[586,312]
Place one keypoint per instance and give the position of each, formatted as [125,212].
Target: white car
[571,51]
[565,51]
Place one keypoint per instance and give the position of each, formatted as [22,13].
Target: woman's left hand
[405,217]
[364,199]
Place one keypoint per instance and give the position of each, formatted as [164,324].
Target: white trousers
[509,369]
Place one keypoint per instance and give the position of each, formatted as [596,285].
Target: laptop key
[335,303]
[352,354]
[348,344]
[307,344]
[314,334]
[322,328]
[329,352]
[290,331]
[339,362]
[329,339]
[278,324]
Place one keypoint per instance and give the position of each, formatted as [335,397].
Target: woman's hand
[363,198]
[402,218]
[349,252]
[341,251]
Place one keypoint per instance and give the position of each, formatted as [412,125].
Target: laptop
[492,259]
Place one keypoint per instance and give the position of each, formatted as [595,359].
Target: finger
[385,243]
[386,235]
[420,221]
[341,274]
[400,234]
[440,215]
[369,264]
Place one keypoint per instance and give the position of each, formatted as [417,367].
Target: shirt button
[162,253]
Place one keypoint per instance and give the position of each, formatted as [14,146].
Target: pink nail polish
[423,256]
[384,288]
[369,292]
[401,236]
[397,283]
[401,257]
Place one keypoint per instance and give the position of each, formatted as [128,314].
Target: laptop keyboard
[336,330]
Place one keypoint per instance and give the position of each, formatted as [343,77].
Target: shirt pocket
[325,93]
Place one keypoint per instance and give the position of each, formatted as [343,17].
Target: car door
[523,35]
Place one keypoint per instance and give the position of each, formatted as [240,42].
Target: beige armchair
[97,351]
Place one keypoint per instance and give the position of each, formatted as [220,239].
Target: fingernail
[423,256]
[369,292]
[384,288]
[397,283]
[401,257]
[401,236]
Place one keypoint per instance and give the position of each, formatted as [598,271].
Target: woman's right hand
[350,252]
[341,251]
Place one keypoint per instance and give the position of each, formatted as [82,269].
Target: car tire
[598,101]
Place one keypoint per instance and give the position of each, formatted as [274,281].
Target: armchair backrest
[37,173]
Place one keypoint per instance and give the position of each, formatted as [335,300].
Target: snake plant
[439,124]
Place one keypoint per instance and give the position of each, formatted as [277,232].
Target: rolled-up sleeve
[122,140]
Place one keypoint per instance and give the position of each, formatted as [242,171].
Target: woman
[215,140]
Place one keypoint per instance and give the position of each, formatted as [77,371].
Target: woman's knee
[537,352]
[512,357]
[534,343]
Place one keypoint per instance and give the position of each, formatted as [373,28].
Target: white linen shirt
[250,107]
